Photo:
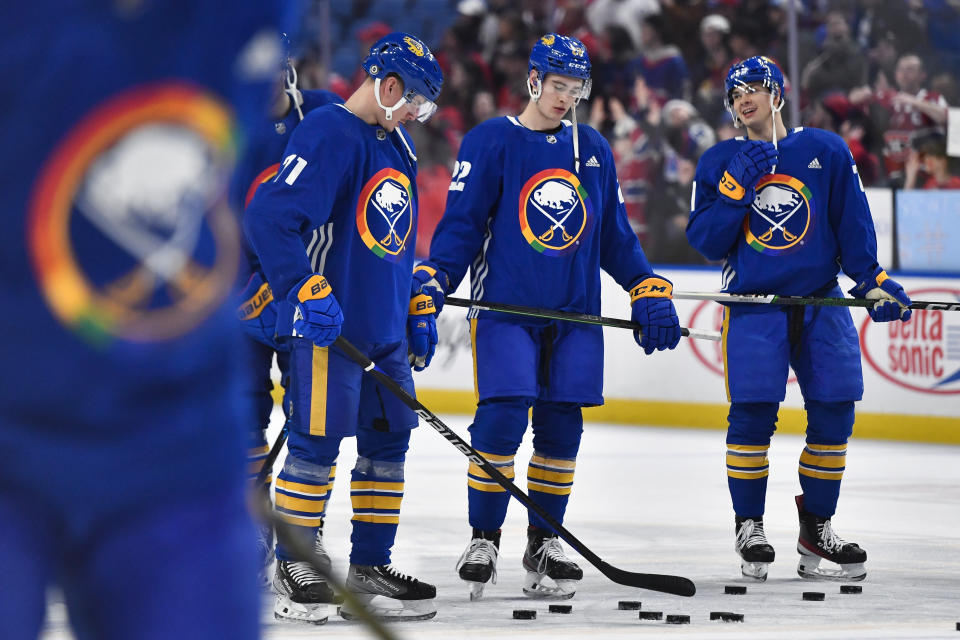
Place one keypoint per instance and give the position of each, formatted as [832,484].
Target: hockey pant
[822,346]
[496,432]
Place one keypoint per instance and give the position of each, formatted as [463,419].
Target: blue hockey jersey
[808,220]
[261,160]
[346,192]
[532,231]
[119,249]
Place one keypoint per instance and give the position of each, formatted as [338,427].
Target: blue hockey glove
[317,314]
[421,331]
[755,158]
[258,311]
[892,303]
[653,308]
[428,278]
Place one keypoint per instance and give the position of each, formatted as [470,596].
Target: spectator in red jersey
[929,158]
[909,112]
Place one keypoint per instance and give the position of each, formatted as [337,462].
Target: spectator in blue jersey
[335,231]
[546,252]
[257,309]
[121,413]
[785,211]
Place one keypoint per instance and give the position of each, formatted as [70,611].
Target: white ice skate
[303,593]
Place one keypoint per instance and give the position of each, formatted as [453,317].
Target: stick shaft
[800,300]
[570,316]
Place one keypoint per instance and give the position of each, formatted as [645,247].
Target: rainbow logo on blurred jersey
[555,212]
[385,215]
[129,231]
[781,215]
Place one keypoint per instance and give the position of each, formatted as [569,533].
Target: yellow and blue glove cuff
[421,305]
[652,287]
[314,287]
[731,188]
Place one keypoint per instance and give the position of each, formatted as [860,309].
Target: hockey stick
[675,585]
[570,316]
[800,300]
[272,456]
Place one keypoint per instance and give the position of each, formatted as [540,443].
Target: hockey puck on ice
[524,614]
[561,608]
[851,588]
[678,619]
[735,590]
[628,605]
[813,595]
[651,615]
[726,616]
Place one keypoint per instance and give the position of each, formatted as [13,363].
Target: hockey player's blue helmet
[409,58]
[756,69]
[562,55]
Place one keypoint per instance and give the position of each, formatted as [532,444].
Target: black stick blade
[674,585]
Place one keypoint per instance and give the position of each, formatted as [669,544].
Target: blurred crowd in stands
[880,73]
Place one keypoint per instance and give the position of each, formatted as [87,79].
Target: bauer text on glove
[317,316]
[421,331]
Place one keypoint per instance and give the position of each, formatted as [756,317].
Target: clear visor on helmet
[576,88]
[425,108]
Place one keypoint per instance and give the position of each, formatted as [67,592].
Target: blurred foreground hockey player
[120,407]
[785,211]
[334,231]
[257,308]
[546,251]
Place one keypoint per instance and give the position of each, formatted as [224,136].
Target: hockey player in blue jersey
[121,410]
[535,210]
[257,309]
[785,211]
[334,231]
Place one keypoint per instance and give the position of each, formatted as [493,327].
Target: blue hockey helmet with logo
[756,69]
[409,58]
[562,55]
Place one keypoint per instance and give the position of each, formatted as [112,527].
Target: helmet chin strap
[387,110]
[773,120]
[290,88]
[535,92]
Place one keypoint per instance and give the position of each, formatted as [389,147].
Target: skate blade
[540,586]
[476,590]
[286,610]
[809,569]
[756,571]
[391,610]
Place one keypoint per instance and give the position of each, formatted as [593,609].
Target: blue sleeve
[298,199]
[715,222]
[850,217]
[620,252]
[475,190]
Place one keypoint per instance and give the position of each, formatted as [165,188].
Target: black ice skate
[478,563]
[388,594]
[818,541]
[303,594]
[545,559]
[755,552]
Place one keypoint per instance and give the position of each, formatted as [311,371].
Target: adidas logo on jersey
[814,164]
[592,162]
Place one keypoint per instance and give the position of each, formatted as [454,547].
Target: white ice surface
[655,500]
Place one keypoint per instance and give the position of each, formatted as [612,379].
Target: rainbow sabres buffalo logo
[385,215]
[781,216]
[555,212]
[129,233]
